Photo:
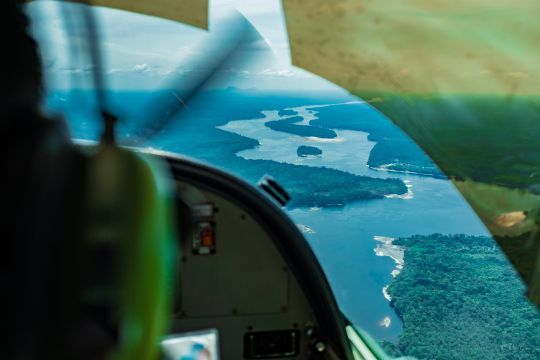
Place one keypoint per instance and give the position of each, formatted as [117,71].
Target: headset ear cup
[91,255]
[129,229]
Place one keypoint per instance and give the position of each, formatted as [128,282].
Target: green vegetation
[288,126]
[304,150]
[459,298]
[390,348]
[393,151]
[320,186]
[286,112]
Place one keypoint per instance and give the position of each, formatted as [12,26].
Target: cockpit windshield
[407,258]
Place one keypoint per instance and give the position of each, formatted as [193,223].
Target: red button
[207,238]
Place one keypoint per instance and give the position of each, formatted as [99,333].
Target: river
[344,238]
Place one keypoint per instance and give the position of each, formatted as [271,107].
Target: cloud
[277,72]
[140,70]
[141,67]
[86,69]
[142,50]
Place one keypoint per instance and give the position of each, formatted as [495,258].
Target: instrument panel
[234,280]
[247,275]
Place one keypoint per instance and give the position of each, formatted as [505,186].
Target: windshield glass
[407,258]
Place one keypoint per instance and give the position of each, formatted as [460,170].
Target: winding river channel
[350,241]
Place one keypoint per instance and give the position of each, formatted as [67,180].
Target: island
[286,112]
[459,298]
[289,126]
[304,150]
[311,186]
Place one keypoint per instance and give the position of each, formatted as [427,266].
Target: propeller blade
[82,18]
[232,46]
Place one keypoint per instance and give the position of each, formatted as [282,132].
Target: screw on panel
[243,217]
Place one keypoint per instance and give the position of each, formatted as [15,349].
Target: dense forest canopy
[459,298]
[289,126]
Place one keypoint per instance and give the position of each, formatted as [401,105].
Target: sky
[144,52]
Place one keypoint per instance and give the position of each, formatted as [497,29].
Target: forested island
[286,112]
[304,150]
[319,186]
[289,126]
[459,298]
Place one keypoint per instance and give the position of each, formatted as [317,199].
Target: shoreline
[385,167]
[407,196]
[385,247]
[395,252]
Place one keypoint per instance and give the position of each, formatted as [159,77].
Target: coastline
[387,168]
[385,247]
[407,196]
